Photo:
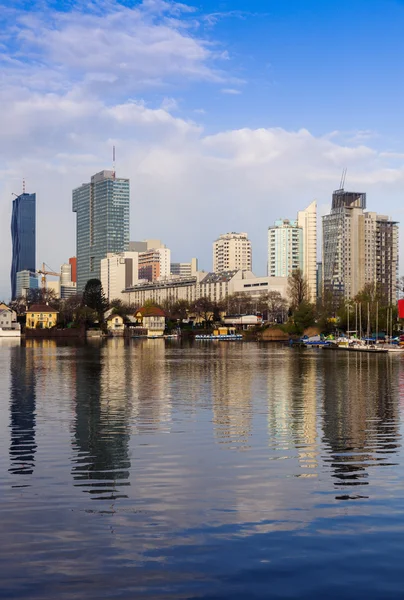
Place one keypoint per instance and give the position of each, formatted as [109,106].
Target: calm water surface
[150,470]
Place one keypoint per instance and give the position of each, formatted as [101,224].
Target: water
[151,470]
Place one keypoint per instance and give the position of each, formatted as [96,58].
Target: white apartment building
[285,248]
[215,286]
[119,271]
[307,220]
[232,251]
[155,264]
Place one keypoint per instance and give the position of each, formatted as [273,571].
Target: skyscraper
[285,248]
[23,222]
[102,208]
[307,220]
[359,248]
[232,251]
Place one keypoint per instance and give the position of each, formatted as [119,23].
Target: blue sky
[226,115]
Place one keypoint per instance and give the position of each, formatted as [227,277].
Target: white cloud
[230,91]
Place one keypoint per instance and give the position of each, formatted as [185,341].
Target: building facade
[73,266]
[41,316]
[232,252]
[307,220]
[118,272]
[215,286]
[285,248]
[185,269]
[23,237]
[154,264]
[25,280]
[102,216]
[359,248]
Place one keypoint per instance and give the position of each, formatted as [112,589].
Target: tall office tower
[23,225]
[285,248]
[102,208]
[118,272]
[73,265]
[307,220]
[231,252]
[359,248]
[155,263]
[65,274]
[25,281]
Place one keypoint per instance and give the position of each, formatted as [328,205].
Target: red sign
[401,309]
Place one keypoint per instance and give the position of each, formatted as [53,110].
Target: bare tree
[297,288]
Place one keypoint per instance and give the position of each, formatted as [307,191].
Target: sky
[226,114]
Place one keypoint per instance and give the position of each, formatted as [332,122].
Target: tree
[297,288]
[304,316]
[274,305]
[180,310]
[69,309]
[42,296]
[204,308]
[94,297]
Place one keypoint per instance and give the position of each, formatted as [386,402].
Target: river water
[147,469]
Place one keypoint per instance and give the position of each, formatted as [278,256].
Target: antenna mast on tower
[113,160]
[23,186]
[343,176]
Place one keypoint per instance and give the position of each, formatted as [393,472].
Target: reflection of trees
[22,411]
[101,427]
[360,413]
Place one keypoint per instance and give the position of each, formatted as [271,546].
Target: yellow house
[42,316]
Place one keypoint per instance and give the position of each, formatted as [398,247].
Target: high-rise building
[73,266]
[118,272]
[65,274]
[23,224]
[155,264]
[102,208]
[307,220]
[185,269]
[232,252]
[25,280]
[359,248]
[285,248]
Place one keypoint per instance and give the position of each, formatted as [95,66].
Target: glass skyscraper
[102,209]
[23,224]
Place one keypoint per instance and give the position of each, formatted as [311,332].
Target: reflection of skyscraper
[22,237]
[360,414]
[22,412]
[101,435]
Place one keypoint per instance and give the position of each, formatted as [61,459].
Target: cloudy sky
[225,114]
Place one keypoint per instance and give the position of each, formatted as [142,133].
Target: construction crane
[43,272]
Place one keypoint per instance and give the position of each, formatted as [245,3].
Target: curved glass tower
[23,224]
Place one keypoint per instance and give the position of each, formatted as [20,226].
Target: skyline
[224,118]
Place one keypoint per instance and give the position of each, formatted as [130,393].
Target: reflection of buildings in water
[22,411]
[101,435]
[231,386]
[292,406]
[360,413]
[151,399]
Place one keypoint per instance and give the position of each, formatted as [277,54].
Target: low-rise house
[115,324]
[41,316]
[152,319]
[8,322]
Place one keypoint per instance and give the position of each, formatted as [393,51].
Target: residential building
[152,320]
[307,220]
[102,209]
[359,248]
[119,271]
[232,252]
[155,263]
[73,265]
[41,316]
[285,248]
[23,226]
[185,269]
[215,286]
[25,280]
[115,324]
[9,328]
